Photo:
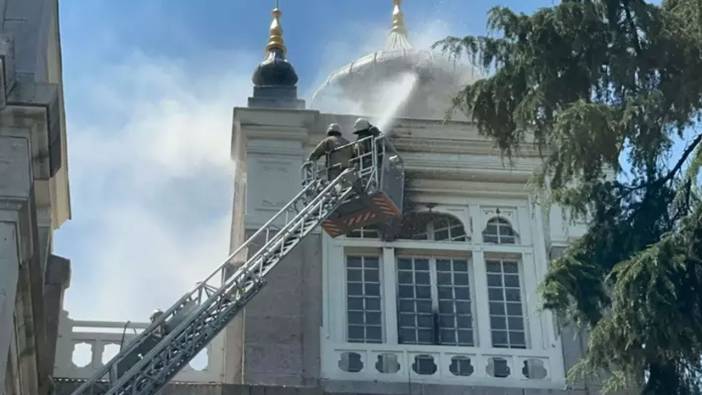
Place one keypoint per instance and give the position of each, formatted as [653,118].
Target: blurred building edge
[34,194]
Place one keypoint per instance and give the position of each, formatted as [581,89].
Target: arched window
[433,226]
[499,231]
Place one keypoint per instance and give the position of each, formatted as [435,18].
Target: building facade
[34,198]
[449,307]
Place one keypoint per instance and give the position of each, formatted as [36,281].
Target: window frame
[381,297]
[518,260]
[475,251]
[432,260]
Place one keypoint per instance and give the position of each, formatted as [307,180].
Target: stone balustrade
[470,366]
[83,347]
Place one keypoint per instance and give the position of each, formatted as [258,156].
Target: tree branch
[682,160]
[671,174]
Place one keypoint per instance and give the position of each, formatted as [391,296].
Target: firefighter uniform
[337,159]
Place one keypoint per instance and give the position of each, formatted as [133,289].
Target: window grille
[506,310]
[364,311]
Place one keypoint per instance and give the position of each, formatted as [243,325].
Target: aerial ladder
[368,192]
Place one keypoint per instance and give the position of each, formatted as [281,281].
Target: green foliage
[604,88]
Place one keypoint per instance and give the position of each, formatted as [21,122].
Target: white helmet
[361,124]
[334,128]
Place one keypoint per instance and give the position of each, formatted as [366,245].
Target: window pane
[516,323]
[373,318]
[464,322]
[372,275]
[443,265]
[404,277]
[363,300]
[426,336]
[355,289]
[446,307]
[512,280]
[372,289]
[407,320]
[463,307]
[407,336]
[404,264]
[421,264]
[460,266]
[513,295]
[356,333]
[460,279]
[496,294]
[423,292]
[497,308]
[511,267]
[514,309]
[354,261]
[354,275]
[465,338]
[425,321]
[355,318]
[447,321]
[371,262]
[374,334]
[494,280]
[517,339]
[462,293]
[498,322]
[445,292]
[444,278]
[355,303]
[406,305]
[373,304]
[448,337]
[494,267]
[422,278]
[499,339]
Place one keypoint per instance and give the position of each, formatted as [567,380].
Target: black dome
[275,71]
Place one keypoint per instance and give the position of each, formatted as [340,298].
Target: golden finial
[398,19]
[397,40]
[275,41]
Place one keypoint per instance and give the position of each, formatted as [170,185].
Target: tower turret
[275,79]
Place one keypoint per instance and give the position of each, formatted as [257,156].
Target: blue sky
[149,87]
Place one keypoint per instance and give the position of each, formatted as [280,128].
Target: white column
[9,272]
[390,296]
[482,311]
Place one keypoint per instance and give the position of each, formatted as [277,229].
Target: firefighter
[337,159]
[363,130]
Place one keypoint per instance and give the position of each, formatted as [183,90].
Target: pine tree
[607,89]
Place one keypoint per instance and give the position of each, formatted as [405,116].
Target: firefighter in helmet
[337,159]
[363,130]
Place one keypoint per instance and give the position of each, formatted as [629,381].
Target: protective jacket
[335,157]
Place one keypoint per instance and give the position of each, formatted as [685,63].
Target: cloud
[151,181]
